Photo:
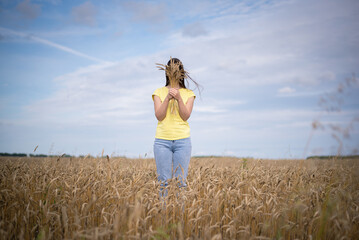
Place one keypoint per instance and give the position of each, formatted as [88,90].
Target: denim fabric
[172,159]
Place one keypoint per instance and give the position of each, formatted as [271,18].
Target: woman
[173,106]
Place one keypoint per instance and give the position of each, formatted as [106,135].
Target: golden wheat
[226,198]
[175,72]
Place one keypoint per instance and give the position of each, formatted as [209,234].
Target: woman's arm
[161,107]
[184,110]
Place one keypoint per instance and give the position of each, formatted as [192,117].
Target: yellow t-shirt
[172,127]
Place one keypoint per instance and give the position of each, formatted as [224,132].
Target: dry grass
[225,199]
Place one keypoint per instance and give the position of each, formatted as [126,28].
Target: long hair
[181,80]
[184,76]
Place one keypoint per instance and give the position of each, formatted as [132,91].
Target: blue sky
[76,77]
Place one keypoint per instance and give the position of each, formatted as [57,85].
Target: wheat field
[226,198]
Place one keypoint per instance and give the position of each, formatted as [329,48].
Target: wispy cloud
[286,90]
[5,31]
[100,93]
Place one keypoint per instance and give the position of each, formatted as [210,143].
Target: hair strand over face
[175,76]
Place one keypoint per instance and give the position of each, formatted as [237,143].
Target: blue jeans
[172,159]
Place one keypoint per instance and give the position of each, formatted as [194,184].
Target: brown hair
[184,75]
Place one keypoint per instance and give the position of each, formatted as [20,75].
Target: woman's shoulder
[160,91]
[188,91]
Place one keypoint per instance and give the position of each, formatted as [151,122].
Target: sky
[279,78]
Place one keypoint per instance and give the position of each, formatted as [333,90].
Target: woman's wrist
[179,99]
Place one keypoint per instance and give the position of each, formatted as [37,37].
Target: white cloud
[8,32]
[283,45]
[209,109]
[286,90]
[98,94]
[214,106]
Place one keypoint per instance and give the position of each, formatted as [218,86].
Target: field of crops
[226,198]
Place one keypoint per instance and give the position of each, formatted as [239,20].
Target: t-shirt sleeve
[191,94]
[155,93]
[188,95]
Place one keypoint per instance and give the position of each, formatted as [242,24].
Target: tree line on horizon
[31,155]
[5,154]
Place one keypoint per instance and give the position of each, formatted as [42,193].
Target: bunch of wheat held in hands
[175,73]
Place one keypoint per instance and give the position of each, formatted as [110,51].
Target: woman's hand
[184,110]
[175,93]
[169,96]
